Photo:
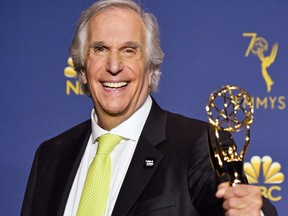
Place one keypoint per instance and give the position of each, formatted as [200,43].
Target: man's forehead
[119,25]
[113,10]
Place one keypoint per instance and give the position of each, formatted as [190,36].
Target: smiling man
[116,65]
[159,163]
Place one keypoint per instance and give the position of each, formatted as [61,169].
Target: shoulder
[75,133]
[189,138]
[183,124]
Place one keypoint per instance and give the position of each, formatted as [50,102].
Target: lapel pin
[149,162]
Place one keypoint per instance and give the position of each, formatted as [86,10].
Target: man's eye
[98,49]
[130,51]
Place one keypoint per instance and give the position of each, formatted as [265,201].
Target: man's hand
[241,199]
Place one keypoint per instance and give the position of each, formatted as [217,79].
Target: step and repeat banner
[207,44]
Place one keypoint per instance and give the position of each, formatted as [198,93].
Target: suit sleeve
[268,209]
[28,197]
[203,181]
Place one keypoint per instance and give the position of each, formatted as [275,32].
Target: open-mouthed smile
[114,84]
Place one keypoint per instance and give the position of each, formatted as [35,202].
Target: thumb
[222,189]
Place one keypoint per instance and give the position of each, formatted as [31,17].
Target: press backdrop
[207,44]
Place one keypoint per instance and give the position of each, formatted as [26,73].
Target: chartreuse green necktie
[97,184]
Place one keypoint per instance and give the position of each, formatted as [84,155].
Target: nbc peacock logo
[270,175]
[72,84]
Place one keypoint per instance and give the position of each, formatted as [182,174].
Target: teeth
[114,85]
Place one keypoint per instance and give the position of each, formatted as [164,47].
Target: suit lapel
[69,160]
[138,175]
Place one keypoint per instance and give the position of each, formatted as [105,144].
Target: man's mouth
[114,85]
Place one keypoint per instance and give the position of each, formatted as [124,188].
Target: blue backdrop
[207,44]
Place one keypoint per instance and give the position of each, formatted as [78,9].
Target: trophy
[229,110]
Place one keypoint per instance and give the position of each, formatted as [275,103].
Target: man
[161,165]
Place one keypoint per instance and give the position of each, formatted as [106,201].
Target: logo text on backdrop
[270,176]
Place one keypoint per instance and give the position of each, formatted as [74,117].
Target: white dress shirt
[130,131]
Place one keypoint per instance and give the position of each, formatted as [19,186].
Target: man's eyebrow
[97,44]
[132,44]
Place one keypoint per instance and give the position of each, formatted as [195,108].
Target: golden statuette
[229,110]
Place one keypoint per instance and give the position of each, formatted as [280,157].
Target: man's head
[116,52]
[79,46]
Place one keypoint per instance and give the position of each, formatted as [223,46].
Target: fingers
[240,199]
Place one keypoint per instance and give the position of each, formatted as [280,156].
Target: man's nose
[114,63]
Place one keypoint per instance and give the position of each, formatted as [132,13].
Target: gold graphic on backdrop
[69,70]
[72,85]
[270,172]
[259,46]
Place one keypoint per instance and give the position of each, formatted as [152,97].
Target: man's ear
[83,76]
[150,74]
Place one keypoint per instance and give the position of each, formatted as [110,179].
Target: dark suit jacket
[180,183]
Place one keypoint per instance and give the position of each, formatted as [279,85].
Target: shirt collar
[130,128]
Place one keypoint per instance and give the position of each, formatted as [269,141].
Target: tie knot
[107,142]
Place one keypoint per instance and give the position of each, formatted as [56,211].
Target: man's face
[116,71]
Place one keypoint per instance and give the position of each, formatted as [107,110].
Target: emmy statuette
[229,111]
